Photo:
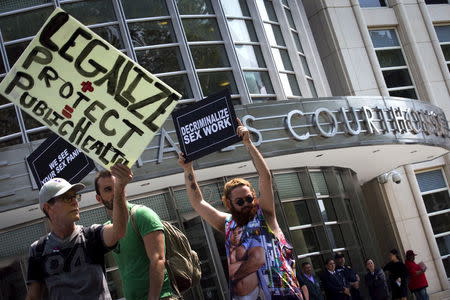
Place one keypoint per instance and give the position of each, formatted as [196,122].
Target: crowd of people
[68,263]
[340,282]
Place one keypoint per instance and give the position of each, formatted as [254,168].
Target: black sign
[57,158]
[206,126]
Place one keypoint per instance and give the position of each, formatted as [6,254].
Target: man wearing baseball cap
[69,261]
[417,280]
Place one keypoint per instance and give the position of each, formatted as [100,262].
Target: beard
[244,216]
[108,204]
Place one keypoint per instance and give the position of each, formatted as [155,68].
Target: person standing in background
[311,281]
[397,275]
[417,280]
[350,276]
[376,281]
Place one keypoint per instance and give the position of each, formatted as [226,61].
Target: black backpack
[182,263]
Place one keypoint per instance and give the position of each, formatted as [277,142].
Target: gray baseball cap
[56,187]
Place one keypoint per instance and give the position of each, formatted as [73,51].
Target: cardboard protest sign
[57,158]
[88,92]
[206,126]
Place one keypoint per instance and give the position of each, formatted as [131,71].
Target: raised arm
[266,201]
[112,233]
[213,216]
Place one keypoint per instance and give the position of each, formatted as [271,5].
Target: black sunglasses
[241,201]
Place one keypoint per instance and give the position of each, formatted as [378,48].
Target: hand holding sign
[243,132]
[122,176]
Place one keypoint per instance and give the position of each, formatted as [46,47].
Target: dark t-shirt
[71,268]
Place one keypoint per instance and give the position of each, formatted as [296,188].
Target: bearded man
[275,266]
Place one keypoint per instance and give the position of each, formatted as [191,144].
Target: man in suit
[311,281]
[334,284]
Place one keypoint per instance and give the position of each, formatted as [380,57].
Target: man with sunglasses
[69,261]
[275,266]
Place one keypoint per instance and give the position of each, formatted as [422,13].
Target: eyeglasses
[241,201]
[67,198]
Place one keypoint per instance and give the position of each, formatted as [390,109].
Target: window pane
[440,223]
[436,1]
[305,241]
[195,7]
[409,93]
[14,51]
[266,10]
[9,5]
[443,33]
[298,44]
[152,33]
[23,25]
[258,83]
[431,180]
[437,201]
[142,9]
[209,56]
[327,210]
[242,31]
[312,88]
[250,56]
[444,244]
[180,83]
[161,60]
[397,78]
[319,183]
[289,82]
[335,236]
[372,3]
[201,30]
[111,34]
[384,38]
[290,18]
[297,213]
[290,85]
[282,59]
[390,58]
[217,81]
[305,65]
[447,266]
[8,121]
[446,51]
[91,12]
[288,186]
[235,8]
[274,35]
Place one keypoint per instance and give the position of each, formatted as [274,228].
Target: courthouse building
[348,100]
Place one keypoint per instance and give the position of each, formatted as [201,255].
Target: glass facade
[198,47]
[314,208]
[435,194]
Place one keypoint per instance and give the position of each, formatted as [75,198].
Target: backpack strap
[131,214]
[39,250]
